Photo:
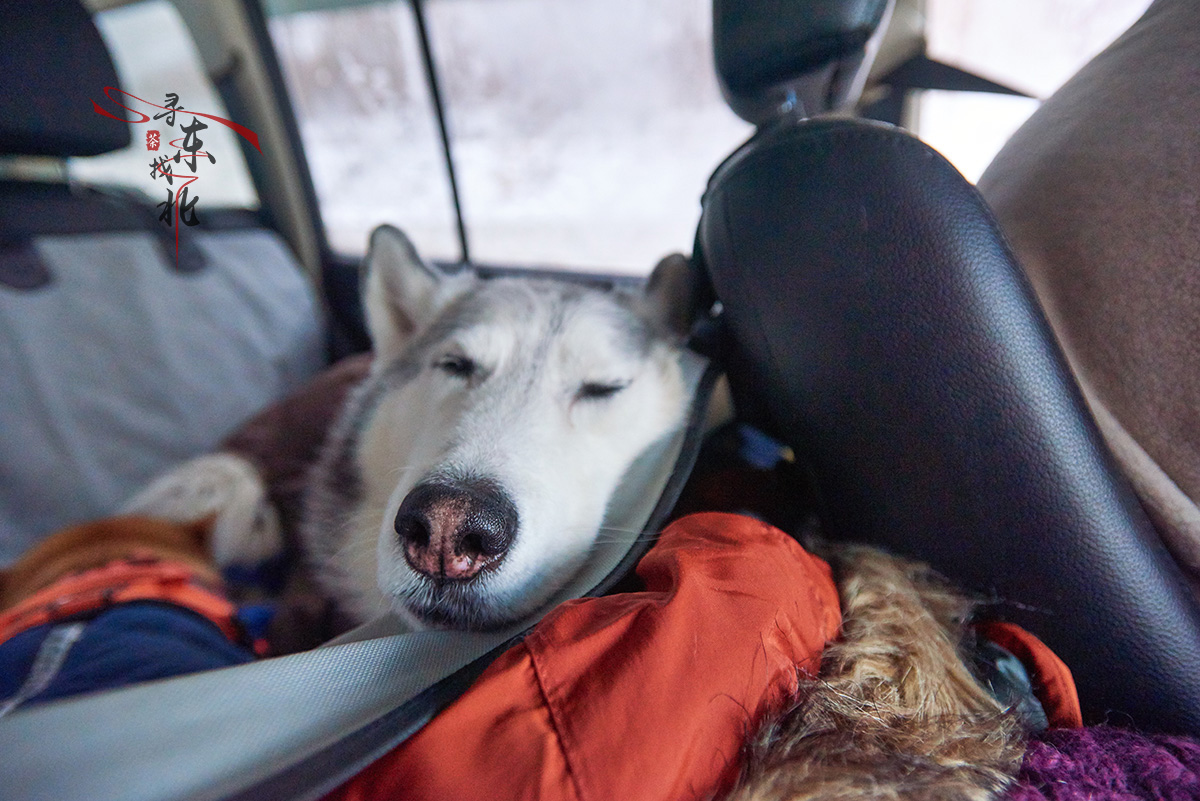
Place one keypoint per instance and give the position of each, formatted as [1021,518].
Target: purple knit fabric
[1102,763]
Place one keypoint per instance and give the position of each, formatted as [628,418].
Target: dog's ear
[401,293]
[669,301]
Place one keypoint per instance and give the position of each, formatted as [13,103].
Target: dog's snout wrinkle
[454,531]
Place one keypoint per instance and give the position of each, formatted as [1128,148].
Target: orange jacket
[645,695]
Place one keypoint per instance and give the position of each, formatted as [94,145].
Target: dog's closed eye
[456,365]
[598,390]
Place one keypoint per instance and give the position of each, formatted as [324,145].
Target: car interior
[996,379]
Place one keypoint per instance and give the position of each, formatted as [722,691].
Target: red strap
[1052,681]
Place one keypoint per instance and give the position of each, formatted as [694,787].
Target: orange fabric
[645,695]
[137,578]
[1052,681]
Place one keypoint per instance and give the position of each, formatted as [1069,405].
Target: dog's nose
[454,530]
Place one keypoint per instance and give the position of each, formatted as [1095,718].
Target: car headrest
[53,65]
[793,57]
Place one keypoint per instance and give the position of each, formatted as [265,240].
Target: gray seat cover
[122,366]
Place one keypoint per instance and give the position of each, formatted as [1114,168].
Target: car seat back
[120,358]
[878,322]
[794,59]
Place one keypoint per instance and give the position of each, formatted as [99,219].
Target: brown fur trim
[96,543]
[895,714]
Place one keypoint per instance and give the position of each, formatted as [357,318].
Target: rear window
[583,132]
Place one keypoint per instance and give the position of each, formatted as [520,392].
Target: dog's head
[506,412]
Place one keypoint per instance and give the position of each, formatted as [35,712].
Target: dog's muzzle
[454,530]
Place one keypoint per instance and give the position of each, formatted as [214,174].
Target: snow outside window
[1031,45]
[583,131]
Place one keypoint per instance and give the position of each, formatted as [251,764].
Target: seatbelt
[46,664]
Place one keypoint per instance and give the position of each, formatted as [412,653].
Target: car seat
[120,359]
[878,322]
[875,320]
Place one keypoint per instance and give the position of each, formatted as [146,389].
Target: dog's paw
[226,488]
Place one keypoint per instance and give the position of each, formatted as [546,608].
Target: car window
[1056,38]
[583,133]
[155,56]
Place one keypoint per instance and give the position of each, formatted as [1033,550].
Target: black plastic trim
[286,113]
[439,109]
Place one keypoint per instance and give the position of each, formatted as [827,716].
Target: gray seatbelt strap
[46,665]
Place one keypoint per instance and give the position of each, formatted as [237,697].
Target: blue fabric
[127,644]
[256,619]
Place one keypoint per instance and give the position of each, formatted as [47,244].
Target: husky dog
[467,478]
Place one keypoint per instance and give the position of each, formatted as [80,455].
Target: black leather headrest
[878,323]
[771,53]
[53,65]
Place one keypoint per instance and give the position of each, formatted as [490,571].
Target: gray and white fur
[468,477]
